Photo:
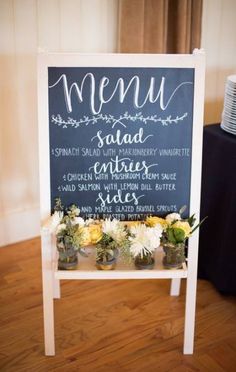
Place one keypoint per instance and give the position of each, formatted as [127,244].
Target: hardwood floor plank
[209,364]
[225,357]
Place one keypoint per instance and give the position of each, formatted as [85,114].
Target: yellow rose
[95,232]
[183,225]
[152,221]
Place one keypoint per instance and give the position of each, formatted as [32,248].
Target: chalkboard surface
[121,139]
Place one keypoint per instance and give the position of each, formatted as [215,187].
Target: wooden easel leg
[175,286]
[56,289]
[56,282]
[190,308]
[191,290]
[48,293]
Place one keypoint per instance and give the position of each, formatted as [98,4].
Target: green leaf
[195,228]
[171,236]
[179,234]
[191,220]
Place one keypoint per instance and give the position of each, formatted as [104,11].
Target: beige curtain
[159,26]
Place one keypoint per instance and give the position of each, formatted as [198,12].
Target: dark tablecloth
[217,245]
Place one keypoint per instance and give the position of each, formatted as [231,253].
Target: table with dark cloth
[217,245]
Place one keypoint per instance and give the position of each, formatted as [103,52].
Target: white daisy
[144,239]
[114,229]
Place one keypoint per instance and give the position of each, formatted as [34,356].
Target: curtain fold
[159,26]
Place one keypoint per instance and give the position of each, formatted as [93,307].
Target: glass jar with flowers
[70,235]
[114,236]
[143,242]
[175,235]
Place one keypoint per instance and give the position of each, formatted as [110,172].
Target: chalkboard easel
[120,135]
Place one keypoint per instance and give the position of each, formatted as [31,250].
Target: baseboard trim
[19,225]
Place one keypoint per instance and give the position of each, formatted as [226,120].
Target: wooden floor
[108,325]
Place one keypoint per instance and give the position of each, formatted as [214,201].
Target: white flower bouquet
[114,236]
[174,237]
[143,242]
[70,233]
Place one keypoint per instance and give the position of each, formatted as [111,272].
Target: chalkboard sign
[120,135]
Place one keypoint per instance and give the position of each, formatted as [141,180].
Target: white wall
[25,25]
[219,42]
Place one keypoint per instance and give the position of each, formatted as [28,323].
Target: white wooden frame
[51,277]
